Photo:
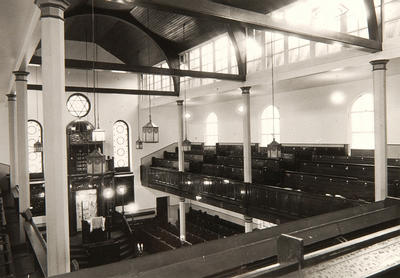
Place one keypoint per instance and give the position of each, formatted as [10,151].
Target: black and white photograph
[199,138]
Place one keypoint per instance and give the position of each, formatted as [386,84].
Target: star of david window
[78,105]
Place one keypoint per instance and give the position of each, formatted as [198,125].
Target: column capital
[12,97]
[52,8]
[248,219]
[21,75]
[379,64]
[246,89]
[179,102]
[181,199]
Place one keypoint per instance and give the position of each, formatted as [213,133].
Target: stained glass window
[270,124]
[121,144]
[362,123]
[35,158]
[78,105]
[211,134]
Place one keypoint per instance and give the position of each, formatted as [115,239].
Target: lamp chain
[184,92]
[273,88]
[138,115]
[93,66]
[37,97]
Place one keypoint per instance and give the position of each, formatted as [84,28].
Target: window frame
[264,118]
[209,123]
[362,112]
[36,175]
[124,168]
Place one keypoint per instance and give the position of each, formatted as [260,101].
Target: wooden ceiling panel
[260,6]
[170,26]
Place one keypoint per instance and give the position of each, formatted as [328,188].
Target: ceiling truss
[215,11]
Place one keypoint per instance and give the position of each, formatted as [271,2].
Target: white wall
[307,116]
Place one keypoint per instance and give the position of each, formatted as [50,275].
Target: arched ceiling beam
[372,20]
[170,49]
[237,34]
[223,13]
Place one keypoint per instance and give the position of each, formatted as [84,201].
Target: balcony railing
[265,202]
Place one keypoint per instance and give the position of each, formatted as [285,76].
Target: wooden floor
[361,263]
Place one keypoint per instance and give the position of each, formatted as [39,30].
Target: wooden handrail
[38,244]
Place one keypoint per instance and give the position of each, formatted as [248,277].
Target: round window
[78,105]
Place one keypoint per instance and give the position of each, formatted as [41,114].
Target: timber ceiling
[128,41]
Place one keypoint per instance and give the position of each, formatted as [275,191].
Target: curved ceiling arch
[168,48]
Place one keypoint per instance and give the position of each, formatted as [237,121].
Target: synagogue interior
[207,138]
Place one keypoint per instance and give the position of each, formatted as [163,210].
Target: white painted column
[54,143]
[247,175]
[181,159]
[246,135]
[12,132]
[380,128]
[182,218]
[248,224]
[22,141]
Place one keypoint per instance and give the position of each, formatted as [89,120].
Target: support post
[380,128]
[12,130]
[248,224]
[290,250]
[55,145]
[248,221]
[246,135]
[182,219]
[23,165]
[181,159]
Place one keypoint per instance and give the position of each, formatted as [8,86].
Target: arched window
[211,136]
[121,146]
[269,125]
[362,123]
[35,158]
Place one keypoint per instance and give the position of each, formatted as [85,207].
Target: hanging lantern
[139,144]
[274,149]
[98,135]
[150,132]
[38,147]
[186,145]
[96,163]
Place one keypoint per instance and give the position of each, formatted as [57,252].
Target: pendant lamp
[274,149]
[186,144]
[150,130]
[98,135]
[38,146]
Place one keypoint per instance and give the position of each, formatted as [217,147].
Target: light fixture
[121,190]
[274,149]
[198,198]
[96,163]
[186,144]
[337,97]
[150,130]
[38,146]
[108,193]
[139,142]
[98,135]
